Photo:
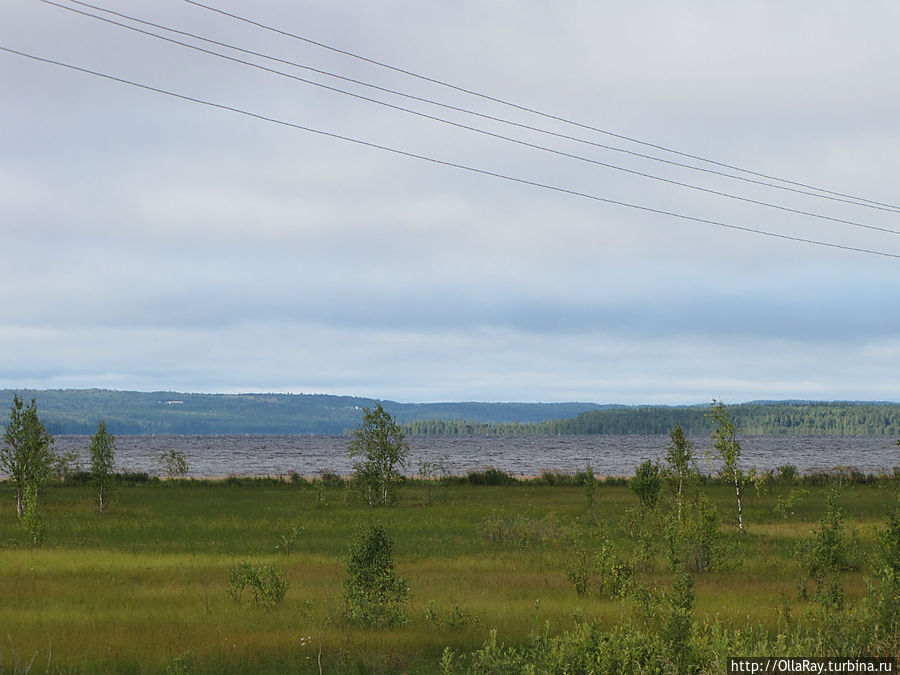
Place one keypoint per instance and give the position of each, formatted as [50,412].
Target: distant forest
[77,411]
[752,419]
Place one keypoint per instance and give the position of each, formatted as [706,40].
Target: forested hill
[752,419]
[77,411]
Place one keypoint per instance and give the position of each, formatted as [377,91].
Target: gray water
[518,455]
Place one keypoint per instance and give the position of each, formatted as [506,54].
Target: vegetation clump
[26,454]
[103,468]
[374,595]
[379,449]
[268,585]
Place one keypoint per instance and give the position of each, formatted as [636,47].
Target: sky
[155,243]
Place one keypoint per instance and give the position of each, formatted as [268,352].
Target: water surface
[520,455]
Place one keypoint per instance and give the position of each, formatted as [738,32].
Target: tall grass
[142,587]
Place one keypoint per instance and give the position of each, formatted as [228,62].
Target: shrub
[173,463]
[646,484]
[490,476]
[784,505]
[289,541]
[331,479]
[580,569]
[787,473]
[374,595]
[523,531]
[692,542]
[268,586]
[824,557]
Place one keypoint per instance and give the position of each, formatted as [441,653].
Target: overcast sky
[153,243]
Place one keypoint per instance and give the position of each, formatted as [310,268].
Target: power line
[422,99]
[466,127]
[533,111]
[446,163]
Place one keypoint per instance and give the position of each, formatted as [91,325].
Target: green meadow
[142,587]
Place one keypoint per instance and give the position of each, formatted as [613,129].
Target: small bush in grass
[490,476]
[787,473]
[331,479]
[693,542]
[823,558]
[268,586]
[289,541]
[580,570]
[646,484]
[374,595]
[784,504]
[522,530]
[455,618]
[173,462]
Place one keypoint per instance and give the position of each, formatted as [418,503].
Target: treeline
[76,411]
[752,419]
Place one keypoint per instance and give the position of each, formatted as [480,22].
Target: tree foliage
[379,450]
[374,595]
[782,418]
[724,439]
[26,456]
[680,472]
[103,465]
[646,484]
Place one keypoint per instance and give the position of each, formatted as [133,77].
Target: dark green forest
[77,411]
[752,419]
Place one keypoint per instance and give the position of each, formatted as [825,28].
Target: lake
[253,455]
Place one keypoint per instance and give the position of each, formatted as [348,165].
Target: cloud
[154,243]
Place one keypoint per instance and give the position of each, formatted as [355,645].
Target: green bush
[490,476]
[374,595]
[646,484]
[268,586]
[823,558]
[580,570]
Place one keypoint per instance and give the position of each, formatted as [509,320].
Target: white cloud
[153,243]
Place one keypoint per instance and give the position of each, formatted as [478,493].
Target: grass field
[142,587]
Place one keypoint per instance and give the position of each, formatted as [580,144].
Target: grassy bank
[142,588]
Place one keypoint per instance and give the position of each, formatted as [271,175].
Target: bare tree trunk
[737,489]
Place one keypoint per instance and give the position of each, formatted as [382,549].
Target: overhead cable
[463,167]
[528,109]
[484,132]
[493,118]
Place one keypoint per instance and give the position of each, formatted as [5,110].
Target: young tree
[26,455]
[725,442]
[645,484]
[173,462]
[373,593]
[103,464]
[680,460]
[380,450]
